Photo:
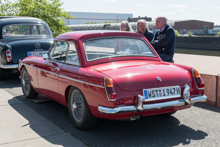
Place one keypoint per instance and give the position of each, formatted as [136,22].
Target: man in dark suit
[164,40]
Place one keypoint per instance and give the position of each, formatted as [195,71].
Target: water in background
[197,52]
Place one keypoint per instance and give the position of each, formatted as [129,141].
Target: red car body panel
[142,74]
[130,76]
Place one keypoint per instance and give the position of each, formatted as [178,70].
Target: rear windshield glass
[25,30]
[115,47]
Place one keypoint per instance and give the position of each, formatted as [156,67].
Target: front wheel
[79,111]
[27,88]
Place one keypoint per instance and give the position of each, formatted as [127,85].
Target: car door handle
[57,68]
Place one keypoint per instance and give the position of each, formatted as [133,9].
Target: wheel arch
[22,67]
[89,120]
[68,90]
[29,93]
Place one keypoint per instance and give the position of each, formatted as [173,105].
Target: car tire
[79,111]
[2,74]
[26,86]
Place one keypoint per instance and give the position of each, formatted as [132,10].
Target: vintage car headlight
[110,91]
[198,79]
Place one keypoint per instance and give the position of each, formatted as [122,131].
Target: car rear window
[113,47]
[25,30]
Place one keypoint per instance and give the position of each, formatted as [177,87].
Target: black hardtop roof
[16,19]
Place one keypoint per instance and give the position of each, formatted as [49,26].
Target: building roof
[194,21]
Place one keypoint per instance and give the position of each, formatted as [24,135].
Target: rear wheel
[2,74]
[27,88]
[79,111]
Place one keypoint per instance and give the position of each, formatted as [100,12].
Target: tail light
[8,55]
[110,91]
[198,79]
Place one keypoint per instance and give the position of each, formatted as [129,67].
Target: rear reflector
[8,55]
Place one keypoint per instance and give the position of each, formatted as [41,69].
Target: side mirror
[46,56]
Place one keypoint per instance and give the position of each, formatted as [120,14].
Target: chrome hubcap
[74,106]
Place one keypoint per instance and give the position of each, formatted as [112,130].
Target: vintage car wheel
[2,74]
[27,88]
[79,111]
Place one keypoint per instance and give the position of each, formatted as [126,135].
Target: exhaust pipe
[134,117]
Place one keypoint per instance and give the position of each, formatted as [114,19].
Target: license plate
[36,53]
[162,93]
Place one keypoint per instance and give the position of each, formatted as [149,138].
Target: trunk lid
[23,48]
[139,75]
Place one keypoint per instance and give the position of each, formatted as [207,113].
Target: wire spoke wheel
[26,86]
[77,104]
[79,110]
[25,82]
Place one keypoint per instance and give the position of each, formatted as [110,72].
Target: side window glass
[16,30]
[72,56]
[44,30]
[60,51]
[34,30]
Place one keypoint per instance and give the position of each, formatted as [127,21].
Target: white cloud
[196,8]
[150,6]
[191,16]
[181,10]
[166,13]
[218,7]
[177,6]
[140,5]
[111,1]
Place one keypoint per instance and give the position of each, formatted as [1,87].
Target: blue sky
[207,10]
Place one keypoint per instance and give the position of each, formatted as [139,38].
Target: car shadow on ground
[155,131]
[11,81]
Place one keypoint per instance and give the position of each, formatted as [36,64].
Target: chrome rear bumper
[12,66]
[145,107]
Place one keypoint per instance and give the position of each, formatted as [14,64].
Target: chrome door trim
[66,77]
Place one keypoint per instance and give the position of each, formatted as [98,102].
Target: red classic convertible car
[111,75]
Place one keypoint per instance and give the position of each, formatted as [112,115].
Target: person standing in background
[164,40]
[142,28]
[125,26]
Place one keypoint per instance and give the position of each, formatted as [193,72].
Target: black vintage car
[21,37]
